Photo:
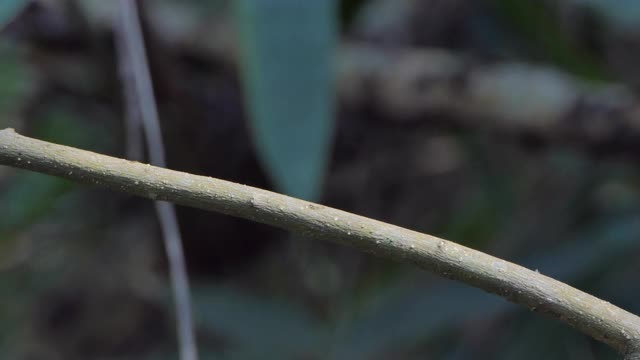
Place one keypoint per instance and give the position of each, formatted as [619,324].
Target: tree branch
[519,98]
[597,318]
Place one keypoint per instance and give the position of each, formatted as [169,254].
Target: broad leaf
[9,9]
[288,53]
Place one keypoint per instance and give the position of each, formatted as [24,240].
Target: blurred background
[509,126]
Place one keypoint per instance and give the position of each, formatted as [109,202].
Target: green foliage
[535,23]
[29,196]
[62,125]
[396,312]
[349,9]
[9,9]
[14,82]
[288,76]
[619,14]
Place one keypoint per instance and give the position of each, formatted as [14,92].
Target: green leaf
[9,9]
[28,197]
[248,323]
[621,14]
[288,55]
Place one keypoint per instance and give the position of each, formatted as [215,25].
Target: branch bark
[595,317]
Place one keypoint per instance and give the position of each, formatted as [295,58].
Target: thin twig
[597,318]
[137,58]
[134,149]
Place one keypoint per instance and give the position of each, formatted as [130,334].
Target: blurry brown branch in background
[597,318]
[410,85]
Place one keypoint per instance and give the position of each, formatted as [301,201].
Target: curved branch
[597,318]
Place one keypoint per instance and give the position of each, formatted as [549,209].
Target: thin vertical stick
[134,149]
[141,76]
